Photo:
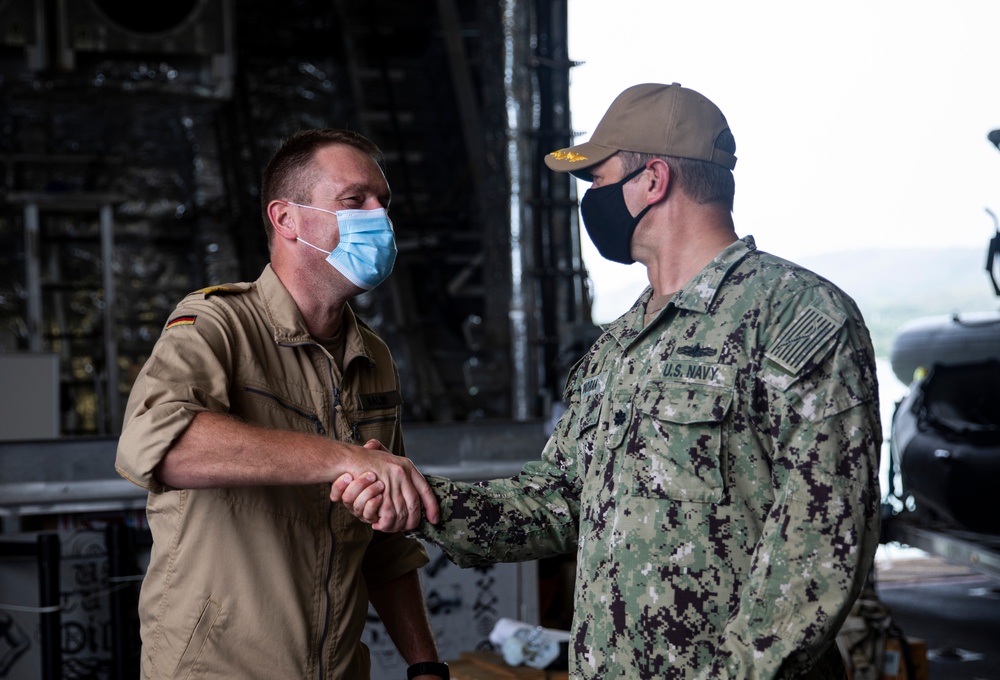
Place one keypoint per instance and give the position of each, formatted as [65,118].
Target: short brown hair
[702,181]
[291,174]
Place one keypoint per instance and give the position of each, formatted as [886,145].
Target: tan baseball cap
[666,120]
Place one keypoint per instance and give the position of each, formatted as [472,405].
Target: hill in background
[893,286]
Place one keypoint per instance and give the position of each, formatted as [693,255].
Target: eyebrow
[364,188]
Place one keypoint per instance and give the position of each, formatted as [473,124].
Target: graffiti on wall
[463,606]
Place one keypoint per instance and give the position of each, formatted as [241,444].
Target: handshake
[388,492]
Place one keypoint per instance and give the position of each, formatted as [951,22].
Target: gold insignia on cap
[567,155]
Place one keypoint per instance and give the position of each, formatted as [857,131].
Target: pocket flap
[685,402]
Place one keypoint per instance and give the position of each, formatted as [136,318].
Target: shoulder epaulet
[572,378]
[224,289]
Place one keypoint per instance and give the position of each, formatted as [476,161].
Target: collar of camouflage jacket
[696,295]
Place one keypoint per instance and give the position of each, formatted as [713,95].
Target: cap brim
[579,159]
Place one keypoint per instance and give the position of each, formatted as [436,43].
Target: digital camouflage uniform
[716,475]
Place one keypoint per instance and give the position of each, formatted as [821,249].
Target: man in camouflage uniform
[715,471]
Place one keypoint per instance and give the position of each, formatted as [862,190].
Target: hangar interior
[133,140]
[133,144]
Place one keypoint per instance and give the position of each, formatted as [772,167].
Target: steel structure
[176,112]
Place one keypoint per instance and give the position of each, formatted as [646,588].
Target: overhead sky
[857,124]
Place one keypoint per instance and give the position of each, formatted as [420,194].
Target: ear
[658,180]
[283,219]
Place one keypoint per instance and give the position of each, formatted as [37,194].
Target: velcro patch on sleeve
[186,320]
[797,344]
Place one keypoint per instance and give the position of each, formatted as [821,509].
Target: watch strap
[437,668]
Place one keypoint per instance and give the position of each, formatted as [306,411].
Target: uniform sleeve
[817,411]
[187,372]
[532,515]
[389,556]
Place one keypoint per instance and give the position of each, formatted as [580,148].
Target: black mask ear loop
[638,218]
[625,180]
[629,177]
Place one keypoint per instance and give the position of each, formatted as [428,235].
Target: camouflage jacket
[716,474]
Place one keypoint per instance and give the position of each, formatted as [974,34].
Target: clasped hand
[389,496]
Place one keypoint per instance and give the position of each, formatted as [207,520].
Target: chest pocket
[677,451]
[376,417]
[284,406]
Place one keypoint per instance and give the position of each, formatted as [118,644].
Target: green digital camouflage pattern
[716,474]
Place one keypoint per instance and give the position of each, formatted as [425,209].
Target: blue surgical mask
[367,248]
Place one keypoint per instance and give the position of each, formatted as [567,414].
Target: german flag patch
[187,320]
[810,330]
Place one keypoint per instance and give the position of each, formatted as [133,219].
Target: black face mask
[608,221]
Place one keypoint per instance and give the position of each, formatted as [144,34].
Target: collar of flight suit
[289,326]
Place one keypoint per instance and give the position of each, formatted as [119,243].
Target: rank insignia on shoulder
[226,288]
[186,320]
[567,155]
[802,338]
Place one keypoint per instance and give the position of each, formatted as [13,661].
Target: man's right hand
[219,450]
[388,494]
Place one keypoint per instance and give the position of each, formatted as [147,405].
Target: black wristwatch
[437,668]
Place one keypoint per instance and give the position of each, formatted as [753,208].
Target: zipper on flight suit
[321,660]
[284,405]
[320,429]
[335,390]
[368,421]
[329,527]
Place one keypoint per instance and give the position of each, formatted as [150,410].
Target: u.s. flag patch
[810,330]
[186,320]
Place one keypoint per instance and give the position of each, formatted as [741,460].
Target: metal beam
[980,552]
